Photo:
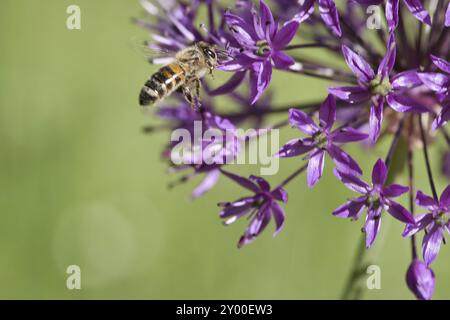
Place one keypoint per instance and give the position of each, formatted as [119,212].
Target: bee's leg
[191,92]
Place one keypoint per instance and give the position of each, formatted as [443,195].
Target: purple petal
[259,79]
[302,121]
[237,208]
[372,225]
[243,31]
[294,148]
[431,244]
[376,118]
[347,135]
[420,280]
[305,11]
[327,112]
[351,209]
[282,60]
[425,201]
[207,183]
[230,85]
[388,61]
[394,190]
[285,35]
[435,81]
[257,225]
[280,194]
[417,9]
[399,212]
[267,17]
[442,118]
[402,103]
[279,217]
[392,14]
[350,94]
[444,200]
[441,63]
[244,182]
[262,183]
[352,182]
[358,65]
[330,16]
[379,173]
[447,18]
[421,221]
[315,168]
[406,80]
[344,163]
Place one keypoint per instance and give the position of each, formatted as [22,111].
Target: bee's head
[209,53]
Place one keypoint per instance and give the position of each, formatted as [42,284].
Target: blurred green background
[81,184]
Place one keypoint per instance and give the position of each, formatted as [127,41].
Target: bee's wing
[152,52]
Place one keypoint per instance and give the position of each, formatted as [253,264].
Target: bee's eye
[210,53]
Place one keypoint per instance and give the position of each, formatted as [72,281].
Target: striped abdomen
[161,84]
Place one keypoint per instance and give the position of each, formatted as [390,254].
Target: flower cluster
[400,93]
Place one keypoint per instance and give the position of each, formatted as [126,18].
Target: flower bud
[420,280]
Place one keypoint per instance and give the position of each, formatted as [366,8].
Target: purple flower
[435,222]
[375,199]
[440,83]
[328,13]
[392,7]
[261,42]
[322,139]
[259,208]
[447,16]
[379,87]
[420,280]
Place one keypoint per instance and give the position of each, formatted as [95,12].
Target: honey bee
[184,74]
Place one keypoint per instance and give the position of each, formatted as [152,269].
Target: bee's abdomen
[161,84]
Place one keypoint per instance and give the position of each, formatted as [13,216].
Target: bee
[190,65]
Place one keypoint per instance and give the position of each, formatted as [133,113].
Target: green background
[81,184]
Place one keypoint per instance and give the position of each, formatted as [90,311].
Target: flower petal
[244,182]
[282,60]
[302,121]
[347,135]
[330,16]
[352,182]
[431,244]
[294,148]
[444,200]
[350,94]
[388,61]
[435,81]
[207,183]
[262,183]
[315,168]
[442,118]
[439,62]
[358,65]
[351,209]
[237,208]
[379,173]
[327,112]
[425,201]
[305,11]
[447,18]
[372,225]
[376,119]
[279,217]
[420,280]
[267,17]
[405,80]
[343,161]
[418,11]
[285,35]
[421,222]
[402,103]
[392,14]
[280,194]
[259,79]
[394,190]
[399,212]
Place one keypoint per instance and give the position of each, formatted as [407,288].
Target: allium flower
[379,87]
[436,222]
[261,43]
[375,198]
[259,208]
[392,7]
[440,83]
[420,280]
[322,139]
